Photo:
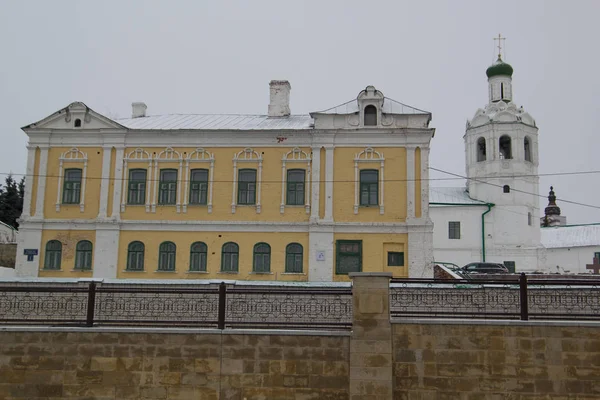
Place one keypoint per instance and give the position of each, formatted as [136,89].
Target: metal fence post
[222,304]
[91,304]
[523,297]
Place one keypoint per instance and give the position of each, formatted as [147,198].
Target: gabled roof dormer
[75,116]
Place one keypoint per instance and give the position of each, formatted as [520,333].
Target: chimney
[138,109]
[279,104]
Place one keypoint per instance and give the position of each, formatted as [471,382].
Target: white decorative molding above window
[199,156]
[167,155]
[368,155]
[295,156]
[77,156]
[248,155]
[137,155]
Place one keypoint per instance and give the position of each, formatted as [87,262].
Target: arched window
[527,148]
[294,258]
[505,147]
[370,116]
[262,258]
[83,255]
[506,189]
[481,150]
[135,256]
[166,256]
[77,123]
[198,252]
[529,219]
[501,91]
[230,257]
[53,255]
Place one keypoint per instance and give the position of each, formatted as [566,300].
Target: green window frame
[247,187]
[135,256]
[198,187]
[198,257]
[295,186]
[83,255]
[261,258]
[369,187]
[167,252]
[53,256]
[72,186]
[294,258]
[454,230]
[136,194]
[395,259]
[168,187]
[348,256]
[230,256]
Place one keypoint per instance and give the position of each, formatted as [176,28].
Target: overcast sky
[218,57]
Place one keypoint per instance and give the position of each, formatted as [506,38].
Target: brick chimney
[138,109]
[279,104]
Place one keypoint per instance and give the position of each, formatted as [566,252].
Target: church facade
[263,197]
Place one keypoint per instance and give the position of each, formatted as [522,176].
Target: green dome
[499,68]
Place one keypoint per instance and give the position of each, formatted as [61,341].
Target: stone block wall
[127,365]
[521,361]
[8,255]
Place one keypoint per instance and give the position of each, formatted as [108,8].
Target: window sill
[245,205]
[294,273]
[196,205]
[369,206]
[51,270]
[134,270]
[261,273]
[228,272]
[165,272]
[295,205]
[166,205]
[196,272]
[81,270]
[136,205]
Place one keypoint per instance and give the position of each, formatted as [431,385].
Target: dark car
[485,268]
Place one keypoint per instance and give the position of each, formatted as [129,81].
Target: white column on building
[41,187]
[410,182]
[106,250]
[316,183]
[104,182]
[118,184]
[329,184]
[30,237]
[29,182]
[425,183]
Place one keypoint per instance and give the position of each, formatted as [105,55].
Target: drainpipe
[489,206]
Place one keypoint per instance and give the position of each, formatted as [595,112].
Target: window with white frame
[295,182]
[369,182]
[199,181]
[72,181]
[247,181]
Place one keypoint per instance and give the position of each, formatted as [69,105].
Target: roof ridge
[219,114]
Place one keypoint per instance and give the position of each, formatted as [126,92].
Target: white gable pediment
[76,116]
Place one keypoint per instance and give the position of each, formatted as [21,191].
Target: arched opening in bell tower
[481,151]
[527,149]
[505,144]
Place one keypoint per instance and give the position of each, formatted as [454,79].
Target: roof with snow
[571,236]
[451,195]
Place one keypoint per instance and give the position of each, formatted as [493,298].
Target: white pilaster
[315,183]
[410,182]
[105,182]
[118,186]
[425,183]
[30,237]
[28,182]
[420,251]
[329,176]
[320,253]
[106,251]
[41,187]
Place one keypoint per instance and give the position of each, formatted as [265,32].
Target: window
[502,91]
[230,257]
[348,256]
[454,230]
[199,186]
[72,186]
[137,187]
[294,258]
[166,256]
[529,219]
[168,186]
[295,187]
[53,255]
[198,252]
[83,255]
[481,151]
[370,116]
[395,259]
[262,258]
[506,189]
[369,194]
[247,187]
[527,148]
[135,256]
[77,123]
[505,147]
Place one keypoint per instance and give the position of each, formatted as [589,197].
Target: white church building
[496,217]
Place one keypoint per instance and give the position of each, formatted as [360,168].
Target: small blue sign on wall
[30,253]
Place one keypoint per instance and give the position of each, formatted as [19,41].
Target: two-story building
[265,197]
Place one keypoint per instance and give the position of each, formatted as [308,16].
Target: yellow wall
[34,184]
[394,186]
[92,190]
[374,252]
[214,242]
[69,241]
[418,182]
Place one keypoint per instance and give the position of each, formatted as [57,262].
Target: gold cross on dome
[499,39]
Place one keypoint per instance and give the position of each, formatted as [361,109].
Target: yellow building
[263,197]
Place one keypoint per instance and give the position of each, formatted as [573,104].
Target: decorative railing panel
[565,300]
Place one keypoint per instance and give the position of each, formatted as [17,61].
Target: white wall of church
[458,251]
[571,259]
